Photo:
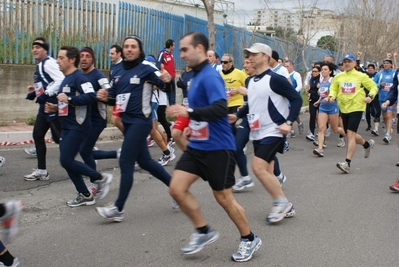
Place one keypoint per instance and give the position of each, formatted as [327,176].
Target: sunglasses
[225,62]
[315,71]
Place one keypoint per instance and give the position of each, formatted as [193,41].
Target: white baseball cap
[259,48]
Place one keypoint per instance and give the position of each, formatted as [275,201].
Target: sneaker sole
[281,217]
[250,255]
[199,248]
[244,187]
[394,189]
[115,219]
[169,160]
[386,141]
[37,179]
[89,203]
[342,169]
[318,154]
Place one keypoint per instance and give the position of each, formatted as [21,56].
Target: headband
[43,45]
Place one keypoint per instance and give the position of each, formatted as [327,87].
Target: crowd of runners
[223,108]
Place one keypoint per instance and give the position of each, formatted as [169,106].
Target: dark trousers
[134,148]
[39,132]
[312,119]
[70,143]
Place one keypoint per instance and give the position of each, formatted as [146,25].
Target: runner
[47,79]
[115,55]
[347,89]
[210,153]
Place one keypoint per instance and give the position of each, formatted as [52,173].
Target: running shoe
[37,175]
[111,213]
[2,162]
[10,220]
[367,151]
[150,142]
[246,249]
[30,151]
[290,213]
[171,142]
[310,137]
[81,200]
[103,185]
[301,127]
[281,179]
[292,133]
[341,142]
[15,263]
[387,139]
[279,211]
[242,183]
[165,159]
[397,164]
[375,132]
[368,128]
[318,152]
[175,206]
[198,241]
[286,147]
[395,187]
[343,166]
[93,188]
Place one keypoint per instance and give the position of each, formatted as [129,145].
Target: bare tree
[370,26]
[210,9]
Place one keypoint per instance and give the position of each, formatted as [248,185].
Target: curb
[25,137]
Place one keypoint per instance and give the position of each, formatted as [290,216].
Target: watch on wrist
[371,96]
[289,123]
[190,110]
[69,98]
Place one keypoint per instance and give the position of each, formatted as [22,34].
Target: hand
[385,105]
[242,90]
[324,100]
[316,104]
[358,54]
[382,84]
[368,100]
[187,132]
[389,55]
[177,111]
[30,88]
[231,118]
[62,98]
[318,85]
[332,100]
[165,76]
[284,128]
[102,95]
[50,107]
[395,53]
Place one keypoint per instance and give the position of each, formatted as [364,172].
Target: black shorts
[216,167]
[351,121]
[268,147]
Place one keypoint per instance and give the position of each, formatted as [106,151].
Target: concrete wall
[13,105]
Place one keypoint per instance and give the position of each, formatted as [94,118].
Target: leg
[180,140]
[39,132]
[117,121]
[163,121]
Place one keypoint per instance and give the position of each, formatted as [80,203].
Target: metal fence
[99,25]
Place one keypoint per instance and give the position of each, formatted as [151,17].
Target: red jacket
[166,58]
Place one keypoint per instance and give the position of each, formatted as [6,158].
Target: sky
[244,8]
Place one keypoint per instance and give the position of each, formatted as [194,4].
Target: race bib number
[87,87]
[38,89]
[228,92]
[121,102]
[134,80]
[199,130]
[323,91]
[348,88]
[185,102]
[253,121]
[62,109]
[387,87]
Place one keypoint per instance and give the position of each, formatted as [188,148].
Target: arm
[51,67]
[242,112]
[334,87]
[298,79]
[393,93]
[280,86]
[87,95]
[213,112]
[370,85]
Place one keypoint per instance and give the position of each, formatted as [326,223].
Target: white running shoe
[37,174]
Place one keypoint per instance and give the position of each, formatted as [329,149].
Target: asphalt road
[342,219]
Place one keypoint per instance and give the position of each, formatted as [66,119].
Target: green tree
[327,42]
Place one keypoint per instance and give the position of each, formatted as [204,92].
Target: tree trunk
[210,8]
